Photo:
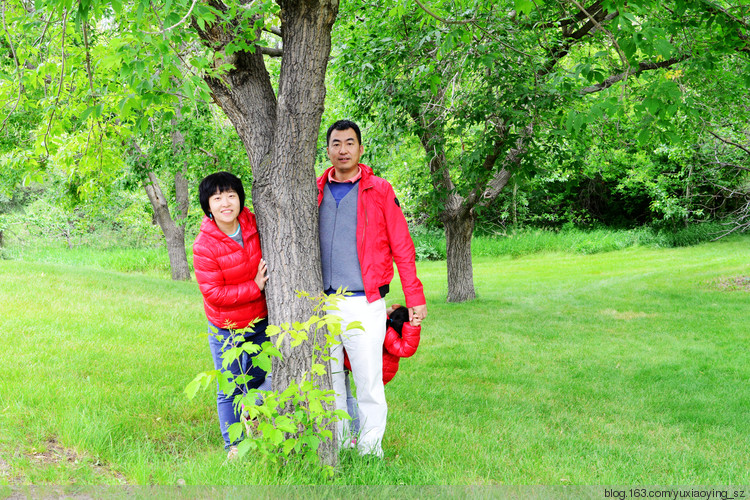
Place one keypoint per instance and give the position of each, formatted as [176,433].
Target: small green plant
[299,418]
[426,251]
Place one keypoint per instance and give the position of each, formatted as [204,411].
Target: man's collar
[354,179]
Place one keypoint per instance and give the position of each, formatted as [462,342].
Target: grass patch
[153,261]
[608,368]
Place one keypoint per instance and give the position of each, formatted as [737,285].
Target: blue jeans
[224,403]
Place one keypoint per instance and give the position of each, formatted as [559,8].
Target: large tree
[156,52]
[476,80]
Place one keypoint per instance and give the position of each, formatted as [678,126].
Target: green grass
[430,244]
[153,261]
[629,367]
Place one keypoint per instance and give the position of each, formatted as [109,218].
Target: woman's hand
[261,277]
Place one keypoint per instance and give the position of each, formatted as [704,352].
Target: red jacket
[398,346]
[226,273]
[382,238]
[395,347]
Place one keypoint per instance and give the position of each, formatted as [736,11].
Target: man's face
[344,150]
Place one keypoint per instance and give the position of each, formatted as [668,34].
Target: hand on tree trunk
[261,277]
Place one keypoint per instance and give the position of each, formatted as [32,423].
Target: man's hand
[417,314]
[261,277]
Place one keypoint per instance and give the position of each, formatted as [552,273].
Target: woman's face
[225,206]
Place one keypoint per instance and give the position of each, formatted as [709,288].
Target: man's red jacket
[382,238]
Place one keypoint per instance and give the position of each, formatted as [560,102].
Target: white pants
[365,351]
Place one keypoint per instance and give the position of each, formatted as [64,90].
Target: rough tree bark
[174,233]
[280,137]
[458,231]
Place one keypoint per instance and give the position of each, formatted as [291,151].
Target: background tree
[476,81]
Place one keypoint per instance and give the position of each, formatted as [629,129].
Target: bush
[429,244]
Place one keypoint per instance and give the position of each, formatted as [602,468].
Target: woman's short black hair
[218,183]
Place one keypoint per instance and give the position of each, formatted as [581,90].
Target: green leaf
[285,424]
[226,385]
[644,137]
[524,6]
[663,48]
[250,347]
[272,330]
[288,446]
[653,105]
[201,381]
[192,388]
[342,414]
[354,325]
[246,446]
[263,361]
[86,113]
[274,435]
[235,431]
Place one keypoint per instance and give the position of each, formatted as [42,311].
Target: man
[362,232]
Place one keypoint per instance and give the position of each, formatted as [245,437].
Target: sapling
[294,420]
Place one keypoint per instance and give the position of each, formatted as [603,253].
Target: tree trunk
[174,233]
[457,219]
[286,194]
[458,231]
[281,139]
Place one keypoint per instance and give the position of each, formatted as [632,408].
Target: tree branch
[642,66]
[727,141]
[272,29]
[62,80]
[732,165]
[184,18]
[495,186]
[442,20]
[208,153]
[270,51]
[85,29]
[18,70]
[600,27]
[571,38]
[488,165]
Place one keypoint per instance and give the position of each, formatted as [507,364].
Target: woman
[232,276]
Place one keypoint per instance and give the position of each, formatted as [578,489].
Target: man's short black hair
[218,183]
[344,125]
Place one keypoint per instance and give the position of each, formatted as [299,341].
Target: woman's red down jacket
[225,272]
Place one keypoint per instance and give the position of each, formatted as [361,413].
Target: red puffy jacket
[395,347]
[226,273]
[382,238]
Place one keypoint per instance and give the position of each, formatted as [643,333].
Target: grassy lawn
[629,367]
